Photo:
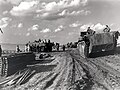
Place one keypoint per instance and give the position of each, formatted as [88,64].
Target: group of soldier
[38,46]
[41,46]
[90,31]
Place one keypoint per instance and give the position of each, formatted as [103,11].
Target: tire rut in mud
[90,74]
[50,82]
[85,82]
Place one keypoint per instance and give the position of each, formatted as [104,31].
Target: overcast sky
[58,20]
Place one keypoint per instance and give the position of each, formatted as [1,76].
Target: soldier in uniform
[63,47]
[57,46]
[17,48]
[90,31]
[0,51]
[106,29]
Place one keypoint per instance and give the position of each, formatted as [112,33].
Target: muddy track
[80,77]
[69,71]
[103,74]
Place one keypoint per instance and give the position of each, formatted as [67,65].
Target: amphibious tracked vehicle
[91,44]
[10,64]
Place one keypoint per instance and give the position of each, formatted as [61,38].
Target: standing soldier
[106,29]
[17,48]
[90,31]
[57,46]
[0,45]
[26,50]
[27,47]
[0,51]
[49,46]
[63,47]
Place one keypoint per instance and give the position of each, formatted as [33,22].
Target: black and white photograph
[59,44]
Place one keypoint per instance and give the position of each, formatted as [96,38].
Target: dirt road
[69,71]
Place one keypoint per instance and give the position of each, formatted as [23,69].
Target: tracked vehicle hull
[98,43]
[12,63]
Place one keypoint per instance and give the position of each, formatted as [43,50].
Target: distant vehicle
[96,43]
